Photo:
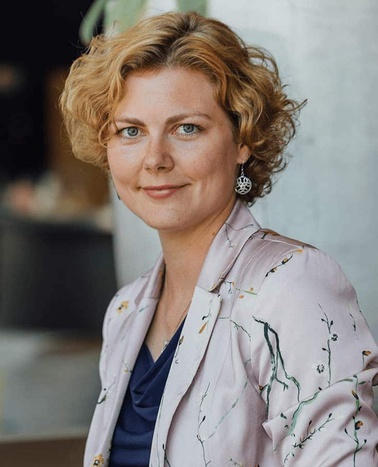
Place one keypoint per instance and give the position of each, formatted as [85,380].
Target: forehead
[169,86]
[169,74]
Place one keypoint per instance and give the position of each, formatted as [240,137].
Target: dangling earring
[243,183]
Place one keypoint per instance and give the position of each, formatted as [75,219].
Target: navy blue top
[132,437]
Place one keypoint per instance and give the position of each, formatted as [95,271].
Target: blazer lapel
[190,350]
[200,320]
[122,361]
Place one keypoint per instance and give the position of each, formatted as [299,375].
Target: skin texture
[173,157]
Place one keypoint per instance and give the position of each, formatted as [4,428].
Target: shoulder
[271,258]
[308,304]
[131,289]
[126,300]
[294,270]
[288,283]
[306,314]
[298,290]
[306,267]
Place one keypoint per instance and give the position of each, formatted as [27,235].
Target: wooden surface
[54,452]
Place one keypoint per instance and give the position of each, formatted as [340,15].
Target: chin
[159,224]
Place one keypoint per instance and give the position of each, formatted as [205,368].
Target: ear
[243,153]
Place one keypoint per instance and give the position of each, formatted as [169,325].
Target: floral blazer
[274,366]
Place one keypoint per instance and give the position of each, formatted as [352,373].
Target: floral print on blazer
[274,367]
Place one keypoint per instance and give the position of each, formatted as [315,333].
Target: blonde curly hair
[245,78]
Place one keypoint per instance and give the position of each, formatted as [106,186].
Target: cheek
[215,164]
[215,176]
[202,168]
[119,165]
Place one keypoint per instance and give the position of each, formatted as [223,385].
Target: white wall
[328,195]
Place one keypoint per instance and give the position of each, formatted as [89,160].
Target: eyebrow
[170,120]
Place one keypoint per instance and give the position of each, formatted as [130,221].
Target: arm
[317,366]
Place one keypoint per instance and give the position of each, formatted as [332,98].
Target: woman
[239,347]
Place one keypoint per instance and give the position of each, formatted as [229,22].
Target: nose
[158,155]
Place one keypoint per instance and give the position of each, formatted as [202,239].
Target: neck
[182,268]
[185,252]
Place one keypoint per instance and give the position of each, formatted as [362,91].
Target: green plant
[118,15]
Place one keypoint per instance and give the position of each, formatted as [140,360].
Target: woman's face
[172,155]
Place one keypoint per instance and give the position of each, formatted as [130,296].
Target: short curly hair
[245,78]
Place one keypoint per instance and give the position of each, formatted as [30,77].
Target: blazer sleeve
[316,364]
[96,426]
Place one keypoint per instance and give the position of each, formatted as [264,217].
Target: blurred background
[56,254]
[67,243]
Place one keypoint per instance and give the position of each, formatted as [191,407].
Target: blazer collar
[227,245]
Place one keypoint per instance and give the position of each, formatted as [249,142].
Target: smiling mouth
[161,191]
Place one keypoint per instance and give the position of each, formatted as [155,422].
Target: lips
[161,191]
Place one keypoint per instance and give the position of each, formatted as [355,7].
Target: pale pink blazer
[274,366]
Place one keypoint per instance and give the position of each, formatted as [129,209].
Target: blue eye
[188,128]
[131,131]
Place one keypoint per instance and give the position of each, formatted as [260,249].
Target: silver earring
[243,183]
